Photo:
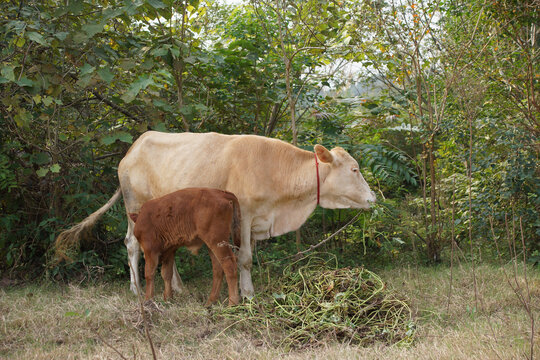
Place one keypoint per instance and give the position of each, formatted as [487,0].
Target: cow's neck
[294,205]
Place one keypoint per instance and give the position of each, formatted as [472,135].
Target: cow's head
[342,186]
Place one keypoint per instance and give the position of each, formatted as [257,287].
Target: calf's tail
[236,222]
[70,238]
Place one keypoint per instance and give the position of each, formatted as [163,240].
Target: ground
[102,321]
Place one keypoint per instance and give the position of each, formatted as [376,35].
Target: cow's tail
[237,217]
[70,238]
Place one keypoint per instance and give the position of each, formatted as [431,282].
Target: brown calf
[190,217]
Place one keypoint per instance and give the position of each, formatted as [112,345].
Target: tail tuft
[68,240]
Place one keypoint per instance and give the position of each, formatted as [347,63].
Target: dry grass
[53,322]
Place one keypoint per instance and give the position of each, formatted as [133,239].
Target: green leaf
[55,168]
[41,158]
[8,73]
[61,35]
[161,127]
[36,37]
[20,42]
[108,140]
[23,118]
[42,171]
[279,296]
[111,13]
[105,75]
[163,105]
[127,64]
[47,100]
[187,110]
[121,135]
[161,51]
[76,6]
[125,137]
[87,69]
[80,37]
[200,107]
[84,81]
[190,59]
[24,81]
[140,84]
[156,4]
[175,52]
[71,313]
[131,6]
[92,29]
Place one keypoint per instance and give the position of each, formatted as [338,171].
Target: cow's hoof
[248,295]
[133,289]
[178,289]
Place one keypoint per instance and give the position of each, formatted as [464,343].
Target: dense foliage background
[437,99]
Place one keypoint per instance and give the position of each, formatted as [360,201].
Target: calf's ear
[323,154]
[133,217]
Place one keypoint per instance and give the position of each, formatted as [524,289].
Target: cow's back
[160,163]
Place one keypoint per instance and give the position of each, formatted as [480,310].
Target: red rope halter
[318,180]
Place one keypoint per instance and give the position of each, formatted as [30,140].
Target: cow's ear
[323,154]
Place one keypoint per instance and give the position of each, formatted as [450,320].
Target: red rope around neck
[318,180]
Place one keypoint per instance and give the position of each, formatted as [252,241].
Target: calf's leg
[230,268]
[222,252]
[167,264]
[217,278]
[151,260]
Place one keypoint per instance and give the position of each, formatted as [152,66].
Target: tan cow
[276,183]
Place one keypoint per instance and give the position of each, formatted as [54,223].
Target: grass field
[50,321]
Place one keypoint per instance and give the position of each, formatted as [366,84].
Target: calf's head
[342,186]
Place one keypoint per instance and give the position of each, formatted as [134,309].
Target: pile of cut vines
[316,303]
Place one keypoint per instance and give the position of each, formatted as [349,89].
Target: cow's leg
[217,278]
[167,264]
[177,284]
[134,253]
[245,261]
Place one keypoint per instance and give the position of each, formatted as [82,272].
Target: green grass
[50,321]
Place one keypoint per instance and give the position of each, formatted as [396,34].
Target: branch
[419,236]
[108,155]
[143,314]
[117,107]
[109,345]
[298,255]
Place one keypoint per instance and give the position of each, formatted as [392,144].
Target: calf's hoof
[234,301]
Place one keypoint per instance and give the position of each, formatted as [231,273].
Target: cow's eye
[354,169]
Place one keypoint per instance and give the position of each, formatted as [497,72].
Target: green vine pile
[316,303]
